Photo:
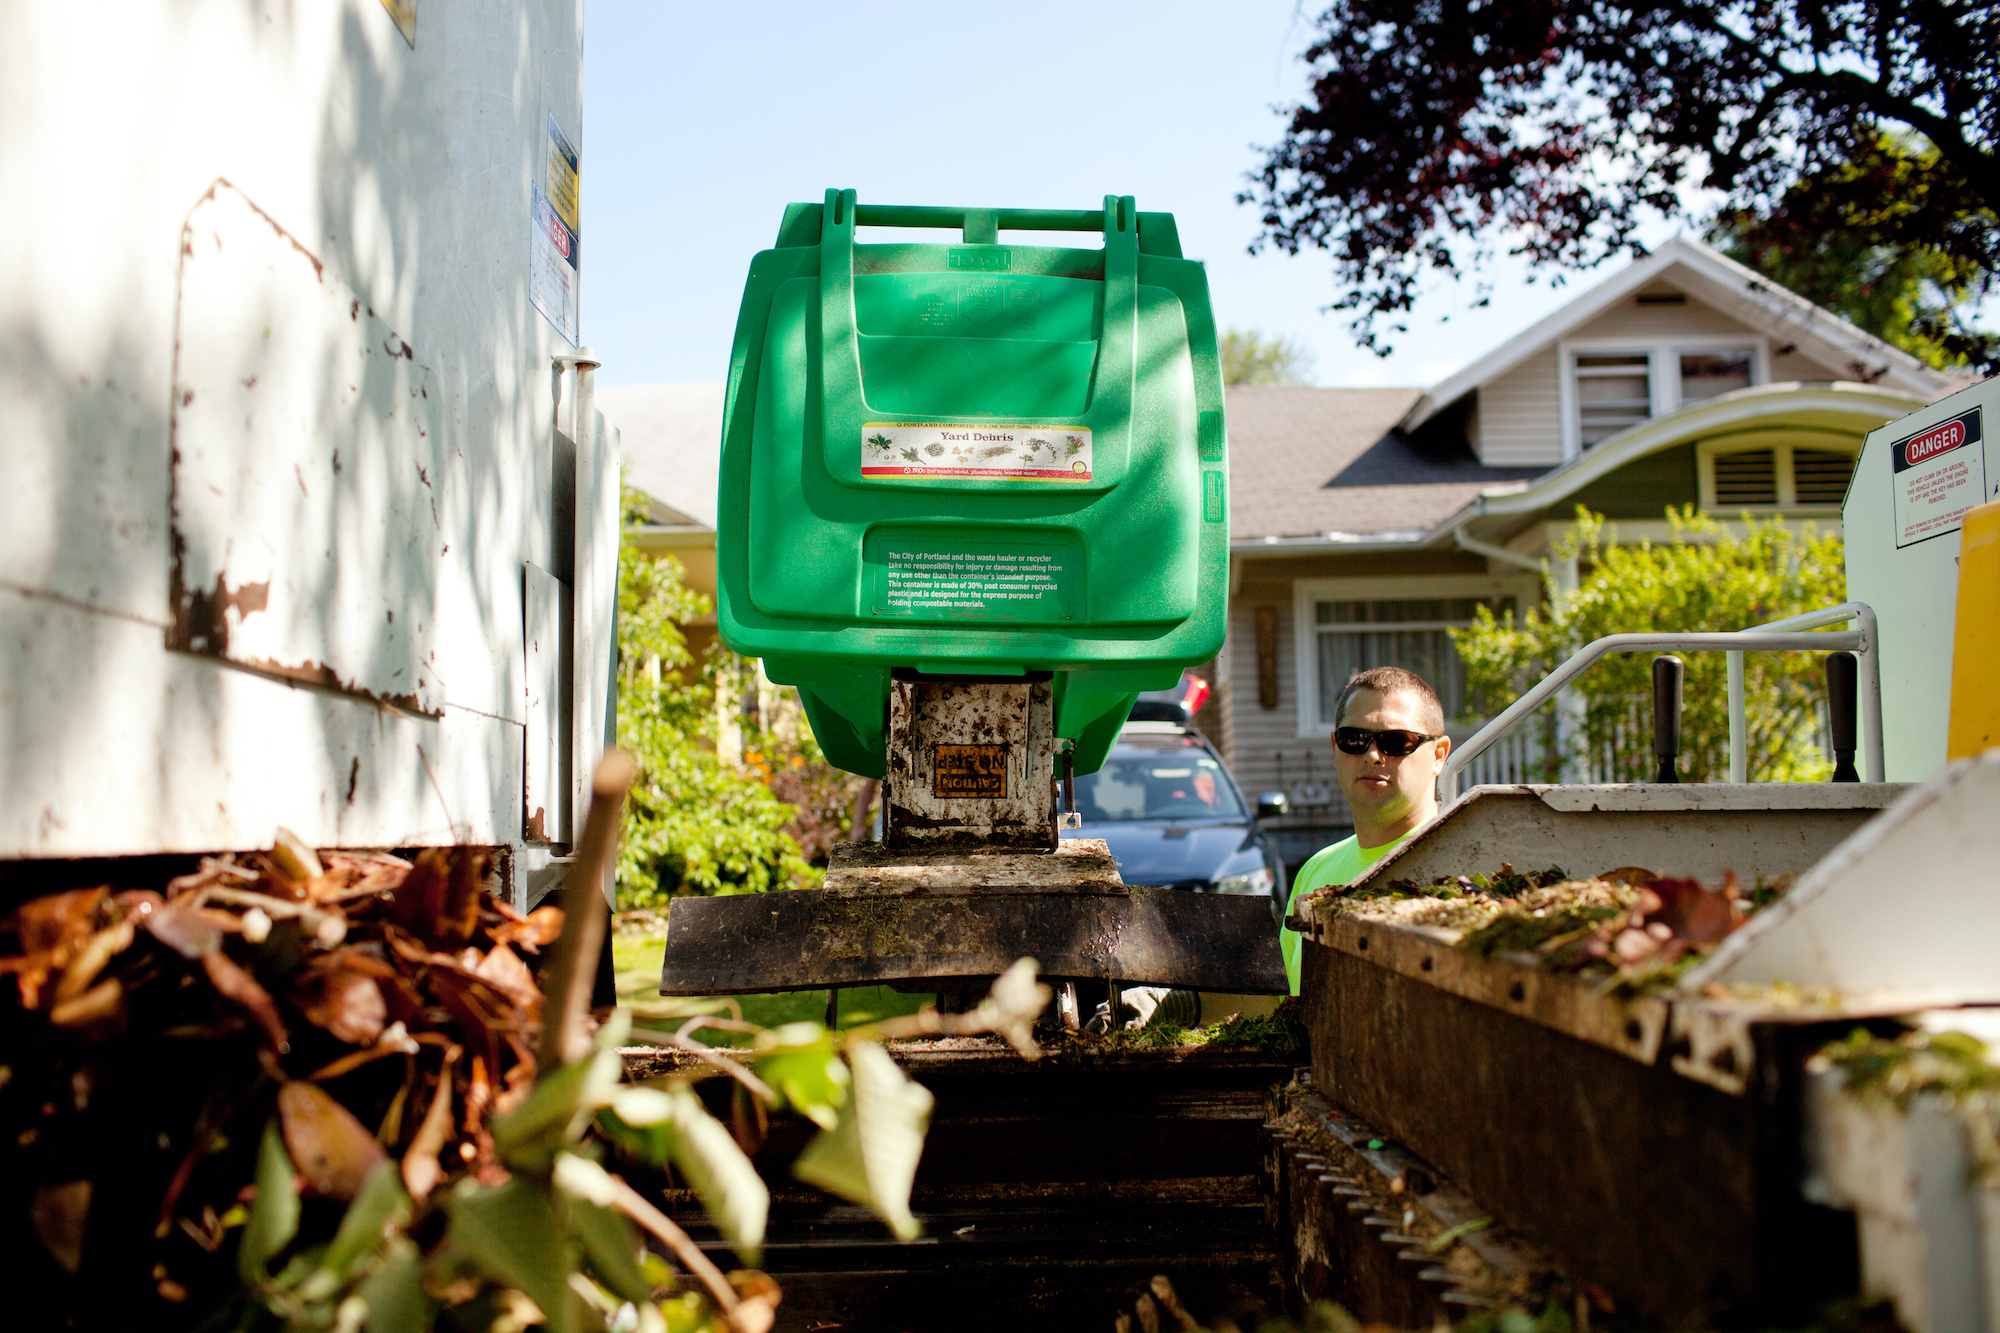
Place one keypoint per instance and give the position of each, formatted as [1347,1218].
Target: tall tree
[1885,240]
[1436,133]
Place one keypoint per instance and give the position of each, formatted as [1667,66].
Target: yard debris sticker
[1020,452]
[1025,583]
[969,770]
[1938,476]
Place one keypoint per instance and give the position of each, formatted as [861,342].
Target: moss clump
[1950,1065]
[1282,1032]
[1520,932]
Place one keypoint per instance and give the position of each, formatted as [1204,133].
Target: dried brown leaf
[1693,914]
[61,1214]
[293,858]
[520,1079]
[102,1003]
[465,890]
[339,992]
[481,1012]
[332,1150]
[183,929]
[504,968]
[357,874]
[421,1171]
[478,1095]
[235,984]
[541,927]
[52,930]
[420,901]
[91,959]
[214,870]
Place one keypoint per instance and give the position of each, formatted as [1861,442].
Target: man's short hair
[1395,680]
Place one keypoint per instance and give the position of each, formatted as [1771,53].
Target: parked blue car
[1171,812]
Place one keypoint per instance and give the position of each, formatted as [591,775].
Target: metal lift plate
[805,939]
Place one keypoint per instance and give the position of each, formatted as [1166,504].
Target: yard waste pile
[312,1091]
[1629,925]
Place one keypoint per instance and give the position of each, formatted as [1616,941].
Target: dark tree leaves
[1435,132]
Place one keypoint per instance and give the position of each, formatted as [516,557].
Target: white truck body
[308,519]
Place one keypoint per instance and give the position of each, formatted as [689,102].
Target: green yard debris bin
[973,459]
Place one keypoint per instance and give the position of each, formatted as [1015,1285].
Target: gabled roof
[1493,511]
[1288,443]
[1711,277]
[1847,408]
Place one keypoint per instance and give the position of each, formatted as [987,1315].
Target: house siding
[1520,415]
[1790,366]
[1629,319]
[1265,743]
[1644,487]
[1517,421]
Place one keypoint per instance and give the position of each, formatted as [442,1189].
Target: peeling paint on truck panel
[355,582]
[305,439]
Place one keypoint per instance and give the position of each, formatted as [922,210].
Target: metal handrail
[1775,637]
[1871,686]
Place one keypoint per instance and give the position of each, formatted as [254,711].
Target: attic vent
[1663,298]
[1747,478]
[1819,476]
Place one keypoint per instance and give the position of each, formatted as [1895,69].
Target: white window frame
[1663,371]
[1524,588]
[1781,443]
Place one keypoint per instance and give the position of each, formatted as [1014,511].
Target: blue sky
[702,121]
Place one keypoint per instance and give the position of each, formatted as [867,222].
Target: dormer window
[1612,392]
[1612,385]
[1706,375]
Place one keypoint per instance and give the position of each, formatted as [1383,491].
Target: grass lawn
[637,960]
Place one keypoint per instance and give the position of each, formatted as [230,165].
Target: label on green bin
[904,449]
[933,579]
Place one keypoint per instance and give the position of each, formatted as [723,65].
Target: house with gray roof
[1365,523]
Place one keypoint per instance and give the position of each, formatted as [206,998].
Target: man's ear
[1441,748]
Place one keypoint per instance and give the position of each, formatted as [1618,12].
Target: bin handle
[845,411]
[1004,219]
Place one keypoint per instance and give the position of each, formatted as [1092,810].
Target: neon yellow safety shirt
[1342,863]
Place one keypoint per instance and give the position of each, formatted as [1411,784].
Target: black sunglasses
[1392,744]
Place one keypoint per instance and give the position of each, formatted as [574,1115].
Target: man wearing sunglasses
[1388,750]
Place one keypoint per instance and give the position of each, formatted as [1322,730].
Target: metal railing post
[1871,695]
[1739,723]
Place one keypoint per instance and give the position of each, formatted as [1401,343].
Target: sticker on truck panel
[969,770]
[1938,476]
[899,450]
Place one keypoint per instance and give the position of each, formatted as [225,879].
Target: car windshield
[1144,783]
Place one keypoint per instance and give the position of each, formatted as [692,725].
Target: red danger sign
[1953,434]
[1937,478]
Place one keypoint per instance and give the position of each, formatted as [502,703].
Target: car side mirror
[1273,805]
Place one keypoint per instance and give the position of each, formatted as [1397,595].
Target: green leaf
[611,1245]
[512,1234]
[380,1205]
[395,1292]
[274,1217]
[557,1111]
[802,1064]
[870,1155]
[733,1194]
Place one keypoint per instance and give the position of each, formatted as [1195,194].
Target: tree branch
[635,1206]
